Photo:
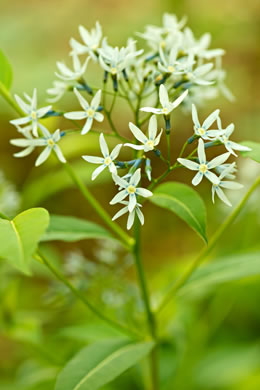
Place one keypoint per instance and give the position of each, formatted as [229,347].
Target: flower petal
[210,119]
[218,160]
[82,101]
[152,128]
[93,159]
[189,164]
[195,116]
[103,145]
[197,178]
[97,171]
[135,178]
[144,192]
[76,115]
[43,156]
[139,135]
[201,152]
[118,197]
[132,202]
[96,100]
[163,94]
[130,220]
[115,152]
[87,126]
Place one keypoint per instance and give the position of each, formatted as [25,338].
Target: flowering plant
[177,73]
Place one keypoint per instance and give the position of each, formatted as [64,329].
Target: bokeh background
[34,35]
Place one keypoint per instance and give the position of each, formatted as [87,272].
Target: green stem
[77,293]
[145,294]
[223,227]
[125,238]
[168,137]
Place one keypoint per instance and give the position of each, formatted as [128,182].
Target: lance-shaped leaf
[100,363]
[19,237]
[71,229]
[6,74]
[254,154]
[183,201]
[226,270]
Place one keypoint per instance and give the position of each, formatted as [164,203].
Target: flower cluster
[178,70]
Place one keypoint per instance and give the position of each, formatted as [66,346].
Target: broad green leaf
[48,184]
[71,229]
[183,201]
[90,332]
[223,271]
[100,363]
[19,237]
[6,74]
[254,154]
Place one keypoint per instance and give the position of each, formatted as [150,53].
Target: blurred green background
[34,35]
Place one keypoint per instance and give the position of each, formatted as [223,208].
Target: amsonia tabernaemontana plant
[175,72]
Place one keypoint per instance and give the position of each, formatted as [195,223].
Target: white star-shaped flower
[204,167]
[91,41]
[149,142]
[78,70]
[131,217]
[130,189]
[107,161]
[90,111]
[216,188]
[48,140]
[230,145]
[167,106]
[32,113]
[203,130]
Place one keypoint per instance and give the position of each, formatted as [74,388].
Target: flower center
[150,143]
[201,131]
[51,142]
[107,161]
[94,47]
[171,69]
[225,139]
[163,44]
[90,112]
[131,189]
[113,70]
[188,76]
[34,115]
[165,111]
[203,168]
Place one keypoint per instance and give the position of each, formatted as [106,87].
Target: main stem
[125,239]
[230,219]
[145,294]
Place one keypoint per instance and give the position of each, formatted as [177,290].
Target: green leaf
[19,237]
[6,74]
[100,363]
[72,229]
[231,268]
[183,201]
[91,332]
[254,154]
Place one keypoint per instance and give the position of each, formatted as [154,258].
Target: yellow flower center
[94,47]
[90,112]
[201,131]
[107,161]
[163,44]
[159,78]
[34,115]
[188,76]
[171,69]
[203,168]
[150,143]
[225,139]
[113,70]
[131,189]
[51,142]
[165,111]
